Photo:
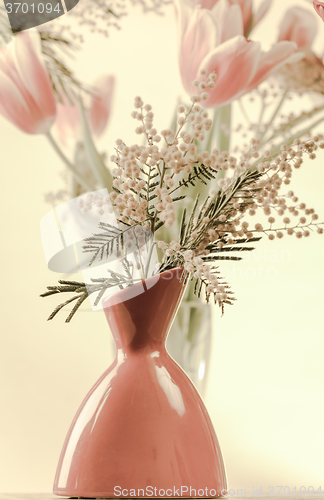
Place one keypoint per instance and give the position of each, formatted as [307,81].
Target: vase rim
[148,285]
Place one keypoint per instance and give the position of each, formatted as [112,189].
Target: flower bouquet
[171,209]
[149,181]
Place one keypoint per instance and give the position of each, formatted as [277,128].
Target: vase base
[112,497]
[69,497]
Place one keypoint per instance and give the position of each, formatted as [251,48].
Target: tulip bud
[26,91]
[299,26]
[68,123]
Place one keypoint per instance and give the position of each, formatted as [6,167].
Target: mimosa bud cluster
[195,266]
[95,204]
[223,229]
[101,17]
[136,237]
[137,199]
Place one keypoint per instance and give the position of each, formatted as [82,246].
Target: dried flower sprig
[277,122]
[102,15]
[55,47]
[147,178]
[84,290]
[114,239]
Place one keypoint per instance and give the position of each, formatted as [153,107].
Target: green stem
[87,186]
[224,119]
[263,108]
[223,133]
[102,174]
[275,150]
[243,111]
[208,146]
[174,121]
[149,257]
[274,115]
[301,120]
[298,134]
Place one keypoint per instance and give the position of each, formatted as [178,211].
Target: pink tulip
[299,26]
[26,93]
[100,107]
[250,18]
[319,8]
[68,122]
[246,8]
[261,12]
[214,41]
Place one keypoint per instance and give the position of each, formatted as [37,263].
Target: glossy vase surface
[142,430]
[189,341]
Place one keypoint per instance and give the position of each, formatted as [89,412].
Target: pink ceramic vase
[143,430]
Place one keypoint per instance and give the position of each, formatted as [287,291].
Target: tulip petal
[234,23]
[220,13]
[208,4]
[270,61]
[234,63]
[101,104]
[13,106]
[199,39]
[183,12]
[229,20]
[68,123]
[319,8]
[246,8]
[262,11]
[298,25]
[32,71]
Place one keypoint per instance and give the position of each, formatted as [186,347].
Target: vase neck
[141,315]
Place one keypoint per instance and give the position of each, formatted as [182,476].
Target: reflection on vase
[190,339]
[143,424]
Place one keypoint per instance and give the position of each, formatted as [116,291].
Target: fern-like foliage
[200,173]
[106,243]
[113,241]
[83,290]
[212,210]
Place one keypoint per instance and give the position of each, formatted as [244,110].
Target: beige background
[265,392]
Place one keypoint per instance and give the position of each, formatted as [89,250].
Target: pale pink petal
[319,8]
[298,25]
[24,80]
[233,24]
[101,104]
[235,62]
[68,122]
[13,106]
[198,40]
[32,71]
[270,61]
[207,4]
[262,11]
[183,12]
[34,113]
[246,8]
[229,20]
[220,13]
